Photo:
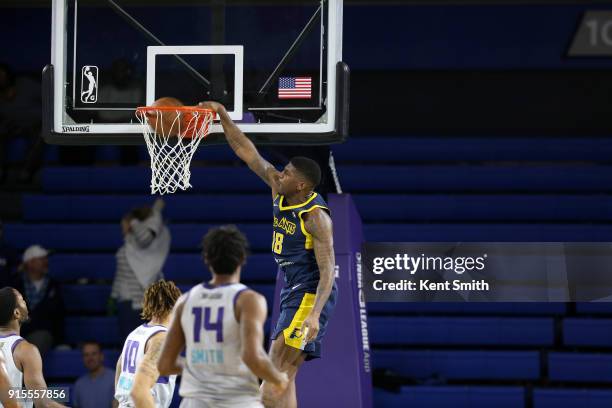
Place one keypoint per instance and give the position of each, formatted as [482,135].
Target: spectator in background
[139,262]
[96,389]
[8,260]
[20,116]
[44,299]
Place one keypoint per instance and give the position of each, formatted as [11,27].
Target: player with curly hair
[137,381]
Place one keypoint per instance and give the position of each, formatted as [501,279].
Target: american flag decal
[294,88]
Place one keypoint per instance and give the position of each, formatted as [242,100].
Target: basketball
[166,122]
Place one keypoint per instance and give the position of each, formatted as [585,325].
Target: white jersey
[8,343]
[131,356]
[214,374]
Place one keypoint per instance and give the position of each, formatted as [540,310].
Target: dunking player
[23,363]
[220,325]
[303,248]
[137,381]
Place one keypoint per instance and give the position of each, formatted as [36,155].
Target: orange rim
[189,113]
[146,109]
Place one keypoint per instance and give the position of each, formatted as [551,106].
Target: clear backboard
[275,65]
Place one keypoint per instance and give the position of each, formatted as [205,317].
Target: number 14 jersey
[214,372]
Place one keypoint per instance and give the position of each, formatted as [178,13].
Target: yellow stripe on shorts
[294,337]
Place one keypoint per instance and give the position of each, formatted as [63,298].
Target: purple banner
[342,376]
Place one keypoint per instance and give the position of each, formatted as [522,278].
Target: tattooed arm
[147,374]
[319,224]
[244,148]
[175,342]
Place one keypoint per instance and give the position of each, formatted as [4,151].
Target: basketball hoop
[173,134]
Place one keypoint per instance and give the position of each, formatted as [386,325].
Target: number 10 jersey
[131,356]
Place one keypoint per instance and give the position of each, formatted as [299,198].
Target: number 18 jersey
[214,373]
[292,245]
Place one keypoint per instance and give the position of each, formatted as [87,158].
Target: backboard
[275,65]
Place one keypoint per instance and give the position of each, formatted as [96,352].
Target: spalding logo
[75,129]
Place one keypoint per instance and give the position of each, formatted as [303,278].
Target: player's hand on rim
[212,105]
[311,326]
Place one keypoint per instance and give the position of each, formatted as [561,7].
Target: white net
[172,136]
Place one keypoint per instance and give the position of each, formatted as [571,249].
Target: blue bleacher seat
[587,332]
[460,365]
[17,149]
[86,298]
[107,153]
[377,149]
[451,396]
[136,180]
[51,154]
[461,331]
[488,232]
[217,208]
[69,363]
[571,398]
[482,208]
[178,267]
[256,208]
[94,298]
[107,237]
[474,178]
[437,149]
[580,367]
[594,308]
[102,329]
[187,237]
[466,308]
[70,267]
[354,178]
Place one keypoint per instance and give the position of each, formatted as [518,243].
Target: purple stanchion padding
[342,377]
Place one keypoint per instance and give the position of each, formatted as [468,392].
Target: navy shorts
[295,307]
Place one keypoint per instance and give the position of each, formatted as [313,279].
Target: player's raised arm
[251,312]
[244,148]
[28,357]
[147,373]
[319,225]
[173,344]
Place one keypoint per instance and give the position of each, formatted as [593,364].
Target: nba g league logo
[89,84]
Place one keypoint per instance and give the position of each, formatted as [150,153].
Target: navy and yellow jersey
[292,245]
